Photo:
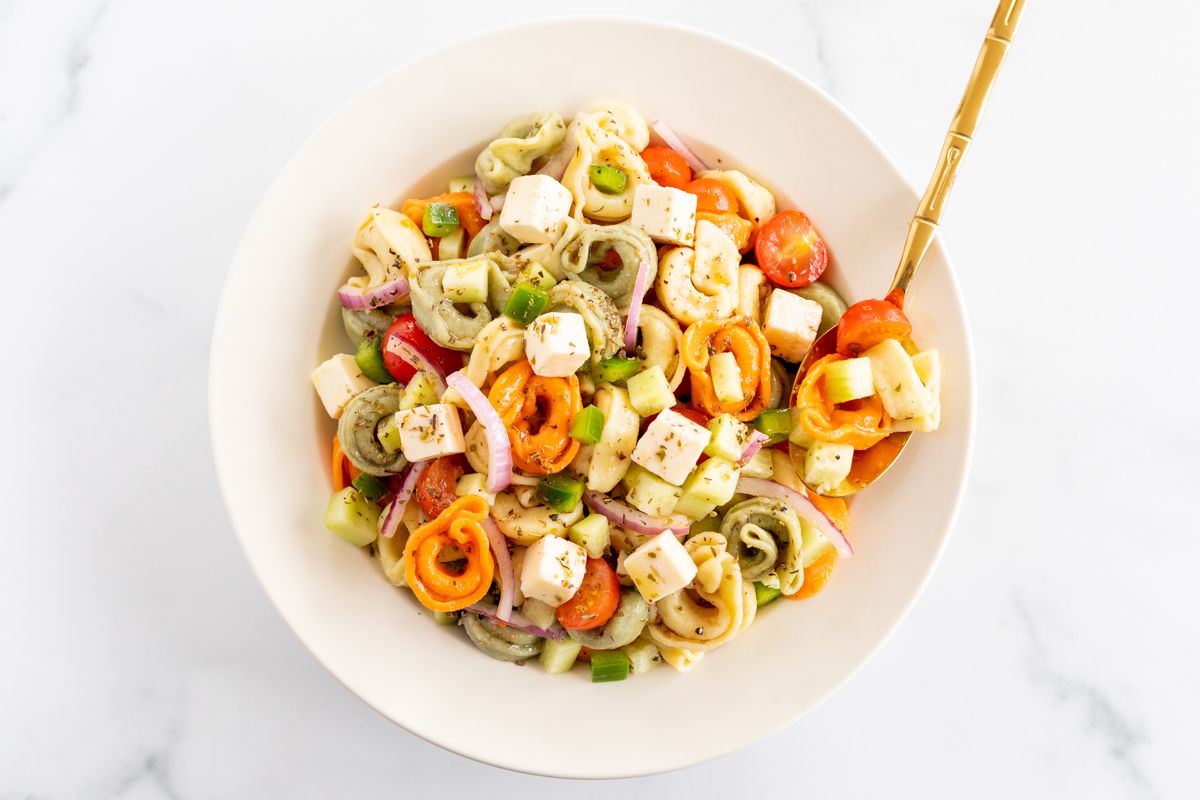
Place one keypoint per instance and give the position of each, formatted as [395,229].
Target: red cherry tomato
[405,327]
[595,602]
[790,251]
[867,323]
[667,167]
[712,196]
[436,488]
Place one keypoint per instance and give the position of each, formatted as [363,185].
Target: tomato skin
[595,602]
[405,327]
[436,488]
[867,323]
[712,196]
[789,250]
[667,167]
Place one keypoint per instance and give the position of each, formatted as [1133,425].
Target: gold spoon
[871,463]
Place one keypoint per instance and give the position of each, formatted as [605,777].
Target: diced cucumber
[591,533]
[588,425]
[813,543]
[444,618]
[452,246]
[476,484]
[765,595]
[421,391]
[369,358]
[388,433]
[712,484]
[462,183]
[759,466]
[526,302]
[467,281]
[776,423]
[352,517]
[826,465]
[541,614]
[609,665]
[903,394]
[849,379]
[558,655]
[609,180]
[799,436]
[642,654]
[649,493]
[831,303]
[439,219]
[649,391]
[726,378]
[617,368]
[537,275]
[370,487]
[729,437]
[561,492]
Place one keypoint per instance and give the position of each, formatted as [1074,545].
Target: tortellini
[583,245]
[607,461]
[765,536]
[492,238]
[715,609]
[365,323]
[521,142]
[599,314]
[442,318]
[755,203]
[505,643]
[623,121]
[391,550]
[626,624]
[386,244]
[356,430]
[598,143]
[499,343]
[662,343]
[701,282]
[525,526]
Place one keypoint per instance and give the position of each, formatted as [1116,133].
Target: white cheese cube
[660,567]
[671,446]
[666,214]
[790,323]
[552,570]
[337,380]
[903,394]
[430,432]
[535,208]
[556,344]
[826,465]
[929,369]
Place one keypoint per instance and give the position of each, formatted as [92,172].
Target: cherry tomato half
[405,327]
[437,486]
[667,167]
[867,323]
[790,251]
[712,196]
[595,602]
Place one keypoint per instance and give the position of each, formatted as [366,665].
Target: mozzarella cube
[929,370]
[671,446]
[660,567]
[903,394]
[428,432]
[337,380]
[535,208]
[552,570]
[790,323]
[556,344]
[666,214]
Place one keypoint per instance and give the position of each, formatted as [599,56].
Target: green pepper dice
[439,219]
[617,368]
[588,425]
[609,665]
[776,423]
[609,180]
[526,302]
[561,492]
[369,359]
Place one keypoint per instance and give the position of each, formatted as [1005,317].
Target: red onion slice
[675,143]
[361,300]
[629,517]
[410,355]
[803,507]
[482,204]
[757,440]
[391,521]
[500,465]
[504,569]
[556,165]
[635,306]
[518,621]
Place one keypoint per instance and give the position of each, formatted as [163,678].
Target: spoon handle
[925,221]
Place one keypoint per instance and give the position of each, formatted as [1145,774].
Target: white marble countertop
[1055,652]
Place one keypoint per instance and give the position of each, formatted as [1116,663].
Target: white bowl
[278,319]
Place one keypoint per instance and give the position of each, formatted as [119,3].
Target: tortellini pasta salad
[565,424]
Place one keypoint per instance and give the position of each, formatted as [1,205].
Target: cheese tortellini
[715,609]
[700,282]
[600,139]
[662,344]
[521,142]
[765,536]
[386,244]
[499,343]
[441,317]
[525,525]
[755,203]
[582,246]
[607,461]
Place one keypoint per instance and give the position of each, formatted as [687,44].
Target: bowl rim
[968,387]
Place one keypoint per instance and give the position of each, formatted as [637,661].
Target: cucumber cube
[467,281]
[849,379]
[452,246]
[537,275]
[827,465]
[476,484]
[420,391]
[726,378]
[729,437]
[711,485]
[558,655]
[799,436]
[649,493]
[462,183]
[643,655]
[903,393]
[813,543]
[541,614]
[352,517]
[760,466]
[591,533]
[388,433]
[649,391]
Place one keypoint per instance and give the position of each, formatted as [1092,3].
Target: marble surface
[1055,652]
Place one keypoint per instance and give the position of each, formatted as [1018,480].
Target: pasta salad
[565,425]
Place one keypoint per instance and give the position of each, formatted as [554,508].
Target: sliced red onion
[500,465]
[803,507]
[482,204]
[556,165]
[410,355]
[675,143]
[629,517]
[497,202]
[391,520]
[363,299]
[635,306]
[757,440]
[517,620]
[504,569]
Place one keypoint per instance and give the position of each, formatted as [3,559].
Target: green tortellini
[365,323]
[491,238]
[356,430]
[626,624]
[521,142]
[765,536]
[504,644]
[583,245]
[599,314]
[445,321]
